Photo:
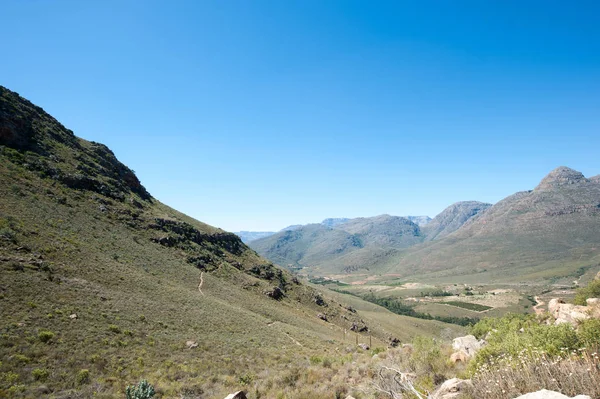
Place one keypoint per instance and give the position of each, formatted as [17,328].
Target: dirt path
[538,305]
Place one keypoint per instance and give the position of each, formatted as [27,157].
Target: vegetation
[402,308]
[468,305]
[143,390]
[523,354]
[592,290]
[100,287]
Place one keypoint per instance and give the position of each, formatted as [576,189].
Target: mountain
[349,246]
[452,218]
[102,285]
[248,236]
[549,233]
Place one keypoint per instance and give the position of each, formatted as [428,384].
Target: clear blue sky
[254,115]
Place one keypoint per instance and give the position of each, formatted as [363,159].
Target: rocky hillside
[102,285]
[452,218]
[550,233]
[360,244]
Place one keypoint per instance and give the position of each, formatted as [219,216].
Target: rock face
[469,345]
[453,388]
[561,176]
[545,394]
[452,218]
[568,313]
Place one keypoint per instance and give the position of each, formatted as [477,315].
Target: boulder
[459,356]
[322,317]
[191,344]
[73,316]
[236,395]
[545,394]
[467,344]
[364,346]
[568,313]
[453,388]
[275,293]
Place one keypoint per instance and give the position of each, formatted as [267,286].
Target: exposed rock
[568,313]
[393,342]
[452,218]
[349,397]
[319,300]
[191,344]
[459,356]
[561,176]
[453,388]
[236,395]
[468,344]
[359,327]
[275,293]
[322,317]
[43,390]
[364,346]
[545,394]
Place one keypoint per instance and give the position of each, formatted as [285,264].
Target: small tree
[143,390]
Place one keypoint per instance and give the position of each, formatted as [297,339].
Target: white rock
[467,344]
[545,394]
[452,388]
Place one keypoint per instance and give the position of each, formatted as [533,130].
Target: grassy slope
[67,251]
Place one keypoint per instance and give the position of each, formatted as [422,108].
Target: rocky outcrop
[465,348]
[452,389]
[573,314]
[561,176]
[545,394]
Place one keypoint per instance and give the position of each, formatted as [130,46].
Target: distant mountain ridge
[348,245]
[248,236]
[551,232]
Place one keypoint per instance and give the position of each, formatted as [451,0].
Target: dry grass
[571,373]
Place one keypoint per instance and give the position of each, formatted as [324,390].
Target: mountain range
[248,236]
[360,243]
[549,233]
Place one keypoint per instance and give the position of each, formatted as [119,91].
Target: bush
[589,333]
[143,390]
[592,290]
[83,377]
[45,336]
[40,374]
[115,329]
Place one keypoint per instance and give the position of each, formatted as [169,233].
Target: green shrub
[83,377]
[40,374]
[589,333]
[22,359]
[143,390]
[115,329]
[592,290]
[45,336]
[512,336]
